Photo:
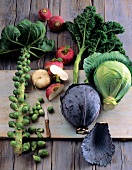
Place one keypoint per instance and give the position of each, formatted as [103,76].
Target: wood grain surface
[64,153]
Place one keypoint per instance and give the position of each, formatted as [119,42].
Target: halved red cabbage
[80,104]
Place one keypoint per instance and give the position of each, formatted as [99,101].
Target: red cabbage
[80,104]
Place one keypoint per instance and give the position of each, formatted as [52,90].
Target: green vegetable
[41,144]
[92,34]
[25,39]
[36,158]
[33,145]
[41,100]
[111,74]
[50,109]
[10,134]
[43,152]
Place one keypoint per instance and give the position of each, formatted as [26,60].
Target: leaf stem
[76,65]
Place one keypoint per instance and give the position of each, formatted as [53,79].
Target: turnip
[58,73]
[44,14]
[56,23]
[40,78]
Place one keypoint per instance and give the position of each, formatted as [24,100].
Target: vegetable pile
[29,39]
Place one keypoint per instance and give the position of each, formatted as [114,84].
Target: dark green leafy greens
[93,34]
[25,34]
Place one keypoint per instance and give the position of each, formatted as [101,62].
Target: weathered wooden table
[64,153]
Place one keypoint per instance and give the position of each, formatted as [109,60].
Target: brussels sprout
[17,92]
[34,108]
[38,107]
[21,100]
[43,152]
[13,143]
[50,109]
[11,115]
[22,80]
[33,145]
[39,134]
[41,100]
[19,67]
[19,125]
[31,129]
[25,109]
[41,130]
[26,147]
[14,106]
[41,112]
[16,115]
[12,98]
[15,78]
[25,70]
[41,144]
[37,103]
[12,124]
[36,158]
[26,121]
[11,134]
[36,112]
[34,117]
[17,84]
[26,134]
[27,55]
[19,62]
[28,62]
[31,112]
[27,76]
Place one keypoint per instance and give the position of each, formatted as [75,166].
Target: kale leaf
[93,34]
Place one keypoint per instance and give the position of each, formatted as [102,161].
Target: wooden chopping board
[119,119]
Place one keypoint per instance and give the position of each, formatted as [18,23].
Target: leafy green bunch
[28,39]
[93,34]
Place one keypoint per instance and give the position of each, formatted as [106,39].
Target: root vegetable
[65,53]
[40,78]
[56,23]
[55,61]
[54,90]
[59,72]
[44,14]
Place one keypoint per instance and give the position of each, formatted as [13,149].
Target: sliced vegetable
[58,73]
[54,90]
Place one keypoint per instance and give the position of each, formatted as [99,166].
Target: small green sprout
[43,152]
[50,109]
[36,158]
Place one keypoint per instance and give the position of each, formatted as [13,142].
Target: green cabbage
[111,74]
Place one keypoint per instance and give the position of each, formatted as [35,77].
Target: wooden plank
[121,11]
[6,155]
[80,162]
[119,119]
[65,150]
